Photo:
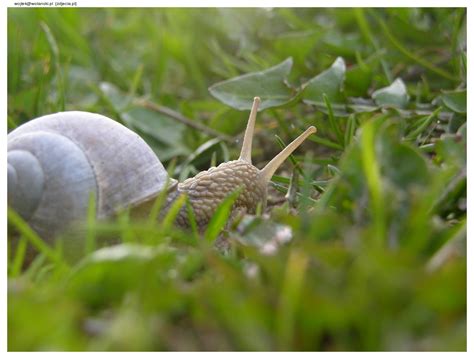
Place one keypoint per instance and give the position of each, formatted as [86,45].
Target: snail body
[58,161]
[209,188]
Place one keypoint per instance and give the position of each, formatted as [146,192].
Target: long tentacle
[268,171]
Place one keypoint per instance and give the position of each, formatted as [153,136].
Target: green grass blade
[19,257]
[53,45]
[173,212]
[137,78]
[158,203]
[125,225]
[332,120]
[33,238]
[398,45]
[374,181]
[192,218]
[423,125]
[350,130]
[35,267]
[333,170]
[369,36]
[220,217]
[325,142]
[454,246]
[289,298]
[90,244]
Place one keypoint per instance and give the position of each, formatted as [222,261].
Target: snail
[55,163]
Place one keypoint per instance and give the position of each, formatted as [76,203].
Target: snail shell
[56,162]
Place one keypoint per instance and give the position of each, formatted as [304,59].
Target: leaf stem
[180,118]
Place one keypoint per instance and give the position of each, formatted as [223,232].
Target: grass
[368,252]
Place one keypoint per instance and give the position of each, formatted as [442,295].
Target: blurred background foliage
[368,250]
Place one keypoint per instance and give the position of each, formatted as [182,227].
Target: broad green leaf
[160,127]
[329,82]
[269,85]
[162,133]
[202,149]
[297,44]
[394,95]
[358,80]
[401,163]
[451,149]
[404,166]
[113,97]
[455,100]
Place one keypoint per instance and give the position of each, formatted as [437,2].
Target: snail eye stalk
[268,171]
[246,152]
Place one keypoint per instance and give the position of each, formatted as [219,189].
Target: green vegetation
[368,250]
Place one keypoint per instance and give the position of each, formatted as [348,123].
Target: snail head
[246,153]
[209,188]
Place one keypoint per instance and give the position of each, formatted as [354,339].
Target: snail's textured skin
[209,188]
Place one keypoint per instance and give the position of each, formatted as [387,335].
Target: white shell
[56,161]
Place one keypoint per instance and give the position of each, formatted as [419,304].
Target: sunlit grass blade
[220,217]
[137,78]
[464,65]
[19,257]
[374,181]
[456,186]
[326,142]
[284,189]
[333,170]
[290,196]
[289,298]
[332,120]
[306,202]
[370,37]
[173,212]
[199,151]
[90,244]
[32,271]
[125,225]
[225,152]
[33,238]
[12,123]
[398,45]
[454,246]
[158,203]
[59,74]
[423,125]
[350,130]
[317,185]
[192,218]
[429,147]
